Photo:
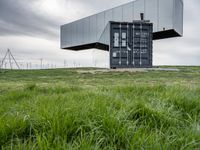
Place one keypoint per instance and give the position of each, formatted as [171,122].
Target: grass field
[84,109]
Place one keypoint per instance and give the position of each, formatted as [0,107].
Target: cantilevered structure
[94,31]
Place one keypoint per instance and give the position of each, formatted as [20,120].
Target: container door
[120,46]
[142,45]
[115,59]
[124,46]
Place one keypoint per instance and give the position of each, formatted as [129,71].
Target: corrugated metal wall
[131,44]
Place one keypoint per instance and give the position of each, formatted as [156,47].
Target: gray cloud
[17,17]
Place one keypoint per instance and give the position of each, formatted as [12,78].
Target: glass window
[116,39]
[123,43]
[114,54]
[123,35]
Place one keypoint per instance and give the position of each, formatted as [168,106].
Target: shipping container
[131,44]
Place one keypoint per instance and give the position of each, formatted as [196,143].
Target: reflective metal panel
[79,34]
[86,30]
[178,16]
[108,16]
[63,34]
[127,12]
[68,38]
[100,24]
[117,14]
[165,15]
[151,12]
[105,36]
[74,41]
[138,8]
[70,33]
[93,29]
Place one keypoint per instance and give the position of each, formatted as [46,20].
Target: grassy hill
[94,109]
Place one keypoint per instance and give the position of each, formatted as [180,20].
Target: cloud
[19,18]
[42,18]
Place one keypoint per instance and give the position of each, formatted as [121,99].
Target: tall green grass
[80,114]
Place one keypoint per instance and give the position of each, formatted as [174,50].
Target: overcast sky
[30,28]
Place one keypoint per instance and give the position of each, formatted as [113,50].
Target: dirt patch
[127,70]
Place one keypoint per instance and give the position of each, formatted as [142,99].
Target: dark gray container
[131,44]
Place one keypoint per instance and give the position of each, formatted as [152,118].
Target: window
[123,35]
[123,43]
[116,39]
[114,54]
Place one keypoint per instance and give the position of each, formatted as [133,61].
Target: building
[94,31]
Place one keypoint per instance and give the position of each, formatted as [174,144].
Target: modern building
[94,31]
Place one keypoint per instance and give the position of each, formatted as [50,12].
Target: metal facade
[131,44]
[90,32]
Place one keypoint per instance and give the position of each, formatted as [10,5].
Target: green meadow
[91,109]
